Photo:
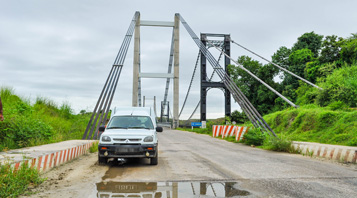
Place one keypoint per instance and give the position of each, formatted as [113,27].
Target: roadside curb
[345,154]
[46,157]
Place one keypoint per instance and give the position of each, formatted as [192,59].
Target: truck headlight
[148,139]
[106,139]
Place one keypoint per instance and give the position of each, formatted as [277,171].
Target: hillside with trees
[328,61]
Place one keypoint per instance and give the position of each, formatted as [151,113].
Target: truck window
[127,122]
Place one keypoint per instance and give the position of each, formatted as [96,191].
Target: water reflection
[168,189]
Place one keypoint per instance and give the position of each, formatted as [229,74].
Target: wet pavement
[169,189]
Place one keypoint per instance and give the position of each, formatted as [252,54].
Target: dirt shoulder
[73,179]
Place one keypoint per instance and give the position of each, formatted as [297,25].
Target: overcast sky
[64,49]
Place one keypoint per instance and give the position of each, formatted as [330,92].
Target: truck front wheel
[155,160]
[102,160]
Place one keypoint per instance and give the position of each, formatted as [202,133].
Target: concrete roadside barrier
[46,157]
[346,154]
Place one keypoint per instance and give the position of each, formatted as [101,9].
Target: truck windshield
[134,122]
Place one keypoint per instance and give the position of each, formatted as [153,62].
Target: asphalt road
[186,156]
[193,165]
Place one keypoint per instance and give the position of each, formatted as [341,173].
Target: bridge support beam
[205,83]
[136,64]
[176,71]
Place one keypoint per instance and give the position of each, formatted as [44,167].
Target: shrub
[94,147]
[254,137]
[276,144]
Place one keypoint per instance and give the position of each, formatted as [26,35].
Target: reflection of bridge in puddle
[168,189]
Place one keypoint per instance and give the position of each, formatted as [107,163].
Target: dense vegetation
[41,123]
[330,62]
[326,115]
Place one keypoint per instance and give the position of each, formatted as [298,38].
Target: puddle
[169,189]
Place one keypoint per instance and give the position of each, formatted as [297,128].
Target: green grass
[15,183]
[311,123]
[94,147]
[43,122]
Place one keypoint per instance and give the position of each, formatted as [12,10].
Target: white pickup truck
[131,133]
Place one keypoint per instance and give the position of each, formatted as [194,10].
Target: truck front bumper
[127,150]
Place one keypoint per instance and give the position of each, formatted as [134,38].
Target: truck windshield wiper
[117,128]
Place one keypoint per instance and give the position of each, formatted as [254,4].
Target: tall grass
[41,123]
[15,182]
[312,123]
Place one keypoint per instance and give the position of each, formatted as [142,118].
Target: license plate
[126,187]
[127,150]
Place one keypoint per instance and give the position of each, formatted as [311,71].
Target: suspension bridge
[226,84]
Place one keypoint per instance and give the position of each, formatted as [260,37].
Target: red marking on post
[39,163]
[55,162]
[33,162]
[325,152]
[346,156]
[45,164]
[64,156]
[78,150]
[338,154]
[331,154]
[68,154]
[60,158]
[51,159]
[17,166]
[318,151]
[74,152]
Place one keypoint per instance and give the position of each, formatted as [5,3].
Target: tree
[349,50]
[260,96]
[309,41]
[331,48]
[297,60]
[281,56]
[239,117]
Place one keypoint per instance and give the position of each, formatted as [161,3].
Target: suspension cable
[107,93]
[237,94]
[278,66]
[210,80]
[254,76]
[189,87]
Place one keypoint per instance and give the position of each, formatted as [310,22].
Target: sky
[63,50]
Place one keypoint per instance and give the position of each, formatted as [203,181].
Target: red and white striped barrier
[240,132]
[46,162]
[216,130]
[229,130]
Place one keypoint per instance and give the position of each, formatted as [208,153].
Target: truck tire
[154,160]
[102,160]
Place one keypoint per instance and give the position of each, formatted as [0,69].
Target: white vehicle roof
[137,111]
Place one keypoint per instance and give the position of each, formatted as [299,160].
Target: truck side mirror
[159,129]
[101,128]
